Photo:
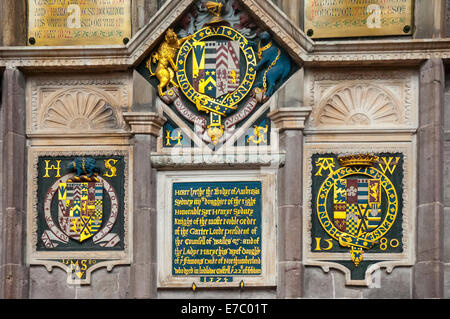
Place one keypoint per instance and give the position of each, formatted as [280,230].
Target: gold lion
[165,56]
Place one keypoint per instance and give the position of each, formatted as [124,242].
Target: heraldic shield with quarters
[82,205]
[357,207]
[216,62]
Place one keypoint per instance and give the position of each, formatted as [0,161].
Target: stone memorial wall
[224,149]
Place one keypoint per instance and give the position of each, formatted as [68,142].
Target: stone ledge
[205,161]
[144,122]
[290,118]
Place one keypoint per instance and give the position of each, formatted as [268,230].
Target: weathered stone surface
[291,94]
[14,168]
[430,133]
[428,280]
[50,285]
[446,281]
[143,268]
[142,11]
[446,241]
[12,236]
[428,272]
[144,94]
[396,285]
[290,279]
[429,19]
[431,97]
[289,233]
[14,278]
[446,173]
[294,9]
[14,22]
[105,284]
[249,293]
[290,175]
[142,280]
[430,243]
[318,284]
[12,259]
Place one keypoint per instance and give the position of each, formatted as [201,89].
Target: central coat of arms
[215,73]
[217,62]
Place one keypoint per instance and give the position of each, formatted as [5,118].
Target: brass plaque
[358,18]
[78,22]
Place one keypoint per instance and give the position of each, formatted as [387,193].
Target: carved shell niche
[80,110]
[359,105]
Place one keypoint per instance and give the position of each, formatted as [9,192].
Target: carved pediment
[216,65]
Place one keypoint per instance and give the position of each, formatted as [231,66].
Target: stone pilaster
[143,275]
[290,122]
[429,19]
[14,22]
[428,270]
[13,270]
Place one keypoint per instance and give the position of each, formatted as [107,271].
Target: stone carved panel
[359,104]
[77,221]
[79,110]
[372,99]
[392,237]
[77,104]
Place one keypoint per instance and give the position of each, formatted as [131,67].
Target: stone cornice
[290,118]
[400,51]
[144,122]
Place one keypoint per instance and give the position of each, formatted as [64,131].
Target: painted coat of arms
[83,203]
[217,62]
[357,208]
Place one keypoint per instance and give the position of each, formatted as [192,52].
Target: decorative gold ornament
[215,8]
[358,160]
[262,49]
[165,56]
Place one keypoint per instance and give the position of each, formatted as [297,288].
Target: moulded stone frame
[401,84]
[389,260]
[115,88]
[49,259]
[268,278]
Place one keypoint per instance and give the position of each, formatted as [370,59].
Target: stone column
[290,122]
[429,19]
[14,22]
[13,270]
[428,270]
[143,275]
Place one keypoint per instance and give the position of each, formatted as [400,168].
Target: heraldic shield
[80,209]
[357,203]
[215,67]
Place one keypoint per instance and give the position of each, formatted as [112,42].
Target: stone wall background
[446,168]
